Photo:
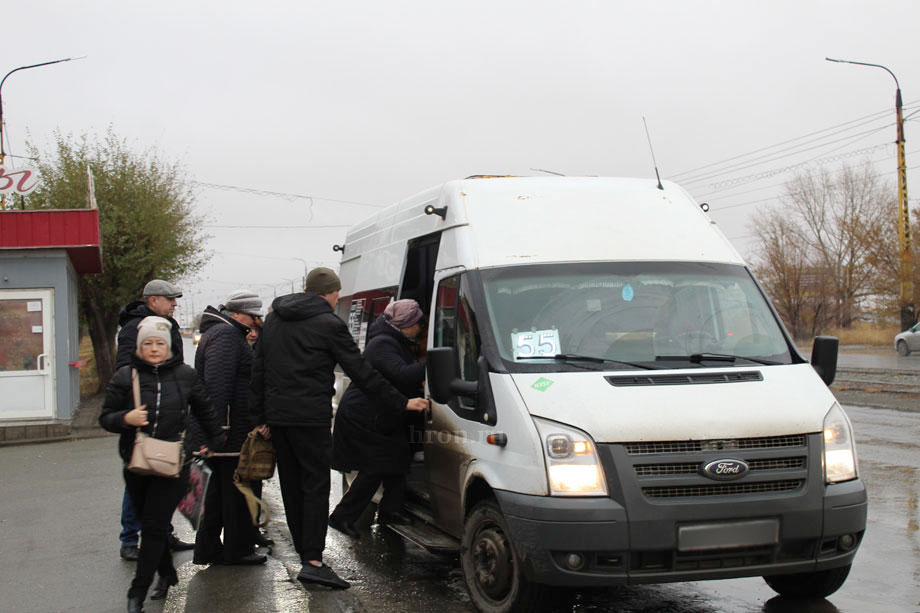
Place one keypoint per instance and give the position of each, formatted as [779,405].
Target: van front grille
[732,489]
[689,468]
[769,442]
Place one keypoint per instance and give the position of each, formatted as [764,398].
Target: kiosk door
[26,354]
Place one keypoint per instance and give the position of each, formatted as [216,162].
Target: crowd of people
[275,376]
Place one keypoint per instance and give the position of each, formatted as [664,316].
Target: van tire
[903,349]
[819,584]
[491,566]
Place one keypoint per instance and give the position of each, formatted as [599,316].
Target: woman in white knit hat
[169,389]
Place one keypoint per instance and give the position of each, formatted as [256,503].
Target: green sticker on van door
[542,384]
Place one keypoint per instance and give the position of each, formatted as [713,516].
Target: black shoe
[394,519]
[251,560]
[263,541]
[161,589]
[136,605]
[343,527]
[130,553]
[176,545]
[321,575]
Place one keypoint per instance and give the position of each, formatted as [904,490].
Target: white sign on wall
[20,181]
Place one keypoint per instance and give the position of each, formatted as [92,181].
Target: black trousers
[362,490]
[303,456]
[154,499]
[224,509]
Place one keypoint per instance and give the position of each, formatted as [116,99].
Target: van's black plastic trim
[745,376]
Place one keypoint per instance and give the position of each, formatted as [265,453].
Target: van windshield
[632,315]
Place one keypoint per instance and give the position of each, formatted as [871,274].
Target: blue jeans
[130,525]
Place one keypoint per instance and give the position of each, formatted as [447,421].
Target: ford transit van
[614,399]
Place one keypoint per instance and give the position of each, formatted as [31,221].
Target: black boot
[135,604]
[161,589]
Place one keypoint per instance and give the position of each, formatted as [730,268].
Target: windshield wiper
[571,357]
[697,358]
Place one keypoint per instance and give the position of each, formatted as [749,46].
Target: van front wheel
[491,567]
[809,585]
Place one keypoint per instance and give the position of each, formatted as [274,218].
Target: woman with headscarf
[169,390]
[370,438]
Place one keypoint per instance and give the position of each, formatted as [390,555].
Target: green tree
[148,225]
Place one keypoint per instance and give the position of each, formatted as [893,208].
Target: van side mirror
[444,380]
[824,357]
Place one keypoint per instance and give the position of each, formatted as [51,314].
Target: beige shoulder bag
[151,456]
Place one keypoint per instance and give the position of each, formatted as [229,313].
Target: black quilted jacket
[223,361]
[171,392]
[293,371]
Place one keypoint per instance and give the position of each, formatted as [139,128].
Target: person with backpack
[223,361]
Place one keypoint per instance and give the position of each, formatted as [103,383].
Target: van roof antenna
[549,172]
[654,163]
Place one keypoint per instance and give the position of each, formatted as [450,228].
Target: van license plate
[727,535]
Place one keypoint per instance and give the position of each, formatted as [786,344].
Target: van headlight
[573,467]
[839,447]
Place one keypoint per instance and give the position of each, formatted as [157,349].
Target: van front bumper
[590,541]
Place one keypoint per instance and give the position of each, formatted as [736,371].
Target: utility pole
[2,81]
[906,301]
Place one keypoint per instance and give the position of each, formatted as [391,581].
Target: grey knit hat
[322,281]
[154,326]
[244,301]
[159,287]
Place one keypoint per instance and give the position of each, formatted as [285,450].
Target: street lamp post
[906,275]
[2,81]
[303,284]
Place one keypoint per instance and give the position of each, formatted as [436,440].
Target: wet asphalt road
[60,502]
[388,574]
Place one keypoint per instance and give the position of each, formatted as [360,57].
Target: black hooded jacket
[128,318]
[293,376]
[170,390]
[369,436]
[224,361]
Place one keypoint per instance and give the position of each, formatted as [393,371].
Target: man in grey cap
[159,299]
[224,361]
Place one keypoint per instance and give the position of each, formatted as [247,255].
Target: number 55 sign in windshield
[535,343]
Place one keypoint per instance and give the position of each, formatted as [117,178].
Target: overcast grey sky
[370,102]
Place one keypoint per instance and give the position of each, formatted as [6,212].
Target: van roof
[521,220]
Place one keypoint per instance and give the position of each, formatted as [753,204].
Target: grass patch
[89,380]
[862,333]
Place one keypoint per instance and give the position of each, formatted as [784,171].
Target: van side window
[455,326]
[360,310]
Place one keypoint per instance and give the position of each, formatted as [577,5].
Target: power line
[859,119]
[285,196]
[244,227]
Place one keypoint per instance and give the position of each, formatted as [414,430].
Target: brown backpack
[257,462]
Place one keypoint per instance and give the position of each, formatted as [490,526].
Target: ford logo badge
[726,470]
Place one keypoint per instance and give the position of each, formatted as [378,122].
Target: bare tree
[822,253]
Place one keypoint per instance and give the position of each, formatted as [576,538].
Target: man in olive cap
[159,298]
[293,380]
